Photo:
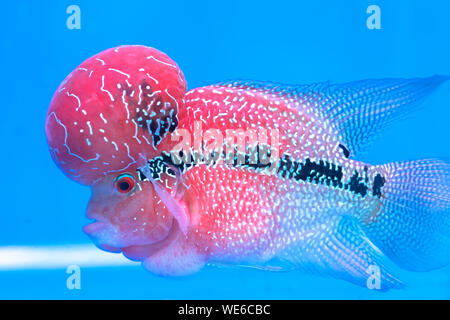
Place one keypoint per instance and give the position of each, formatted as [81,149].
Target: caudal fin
[413,226]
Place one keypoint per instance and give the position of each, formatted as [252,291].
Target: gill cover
[164,177]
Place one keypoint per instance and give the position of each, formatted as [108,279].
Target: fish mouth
[98,226]
[132,252]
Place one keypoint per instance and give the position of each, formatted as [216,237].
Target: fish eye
[124,183]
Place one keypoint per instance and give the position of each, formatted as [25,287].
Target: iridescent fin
[413,226]
[341,250]
[358,110]
[362,109]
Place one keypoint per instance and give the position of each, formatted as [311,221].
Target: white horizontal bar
[55,257]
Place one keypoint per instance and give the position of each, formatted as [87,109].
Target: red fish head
[114,111]
[106,119]
[137,216]
[126,212]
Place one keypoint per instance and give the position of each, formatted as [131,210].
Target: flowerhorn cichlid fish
[247,173]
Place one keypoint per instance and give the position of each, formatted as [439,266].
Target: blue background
[291,42]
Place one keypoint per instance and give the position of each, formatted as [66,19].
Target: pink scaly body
[251,216]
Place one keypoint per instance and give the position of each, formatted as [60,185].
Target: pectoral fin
[176,208]
[163,177]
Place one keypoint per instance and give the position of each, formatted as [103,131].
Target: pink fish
[247,173]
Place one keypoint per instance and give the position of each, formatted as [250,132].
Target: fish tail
[413,225]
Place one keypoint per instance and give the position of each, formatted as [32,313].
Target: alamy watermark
[254,147]
[374,20]
[74,280]
[74,20]
[374,279]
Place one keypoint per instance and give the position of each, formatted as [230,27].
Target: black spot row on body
[256,158]
[321,172]
[327,173]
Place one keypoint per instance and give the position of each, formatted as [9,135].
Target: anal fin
[340,249]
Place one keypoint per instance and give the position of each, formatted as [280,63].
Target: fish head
[106,119]
[127,212]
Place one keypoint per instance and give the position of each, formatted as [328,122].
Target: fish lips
[97,231]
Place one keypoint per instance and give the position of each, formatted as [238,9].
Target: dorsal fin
[358,110]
